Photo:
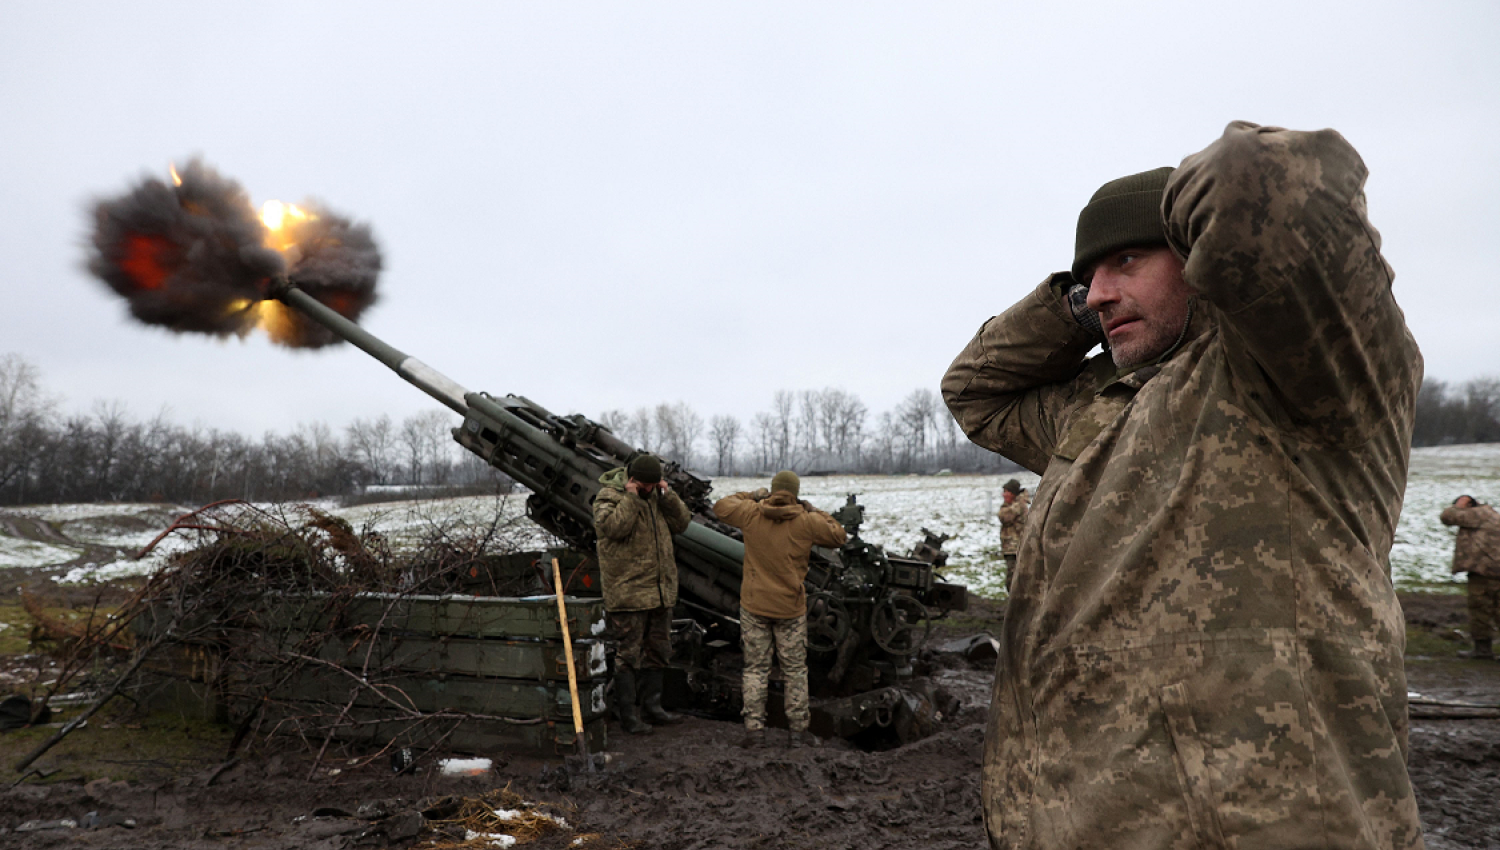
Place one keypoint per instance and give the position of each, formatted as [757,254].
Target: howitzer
[865,607]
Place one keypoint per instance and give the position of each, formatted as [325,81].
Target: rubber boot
[798,740]
[651,682]
[625,708]
[1483,651]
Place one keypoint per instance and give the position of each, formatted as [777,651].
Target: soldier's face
[1009,496]
[1142,302]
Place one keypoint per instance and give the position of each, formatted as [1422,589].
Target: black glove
[1078,296]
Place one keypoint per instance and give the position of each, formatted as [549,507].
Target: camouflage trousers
[760,637]
[1010,570]
[1484,607]
[644,637]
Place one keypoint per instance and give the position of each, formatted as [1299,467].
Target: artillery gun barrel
[424,377]
[865,628]
[535,448]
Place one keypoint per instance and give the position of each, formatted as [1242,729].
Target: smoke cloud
[196,257]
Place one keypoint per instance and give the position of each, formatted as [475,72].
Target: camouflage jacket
[636,559]
[779,534]
[1012,520]
[1202,646]
[1478,548]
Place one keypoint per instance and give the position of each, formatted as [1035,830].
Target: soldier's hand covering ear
[760,494]
[1078,298]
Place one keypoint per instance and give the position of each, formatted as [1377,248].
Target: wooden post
[562,618]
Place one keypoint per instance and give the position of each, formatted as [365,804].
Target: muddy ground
[685,786]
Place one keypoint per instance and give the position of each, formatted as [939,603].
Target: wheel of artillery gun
[894,624]
[827,622]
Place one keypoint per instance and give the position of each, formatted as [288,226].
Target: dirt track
[691,786]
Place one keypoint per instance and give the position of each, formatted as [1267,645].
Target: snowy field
[896,509]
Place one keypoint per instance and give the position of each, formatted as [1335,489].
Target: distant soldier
[1012,520]
[780,532]
[635,516]
[1477,552]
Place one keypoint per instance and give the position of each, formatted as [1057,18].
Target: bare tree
[642,429]
[678,428]
[841,418]
[763,434]
[724,432]
[25,417]
[781,414]
[372,445]
[917,416]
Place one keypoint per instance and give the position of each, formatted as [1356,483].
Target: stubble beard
[1141,349]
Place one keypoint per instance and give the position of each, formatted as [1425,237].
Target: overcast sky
[611,205]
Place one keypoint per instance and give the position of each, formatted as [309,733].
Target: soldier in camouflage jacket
[1012,519]
[1477,552]
[635,516]
[1203,647]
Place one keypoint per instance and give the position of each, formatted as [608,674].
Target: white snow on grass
[897,507]
[15,552]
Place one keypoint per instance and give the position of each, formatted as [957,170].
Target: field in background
[88,539]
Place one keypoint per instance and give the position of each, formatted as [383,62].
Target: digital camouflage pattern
[787,639]
[643,638]
[1012,519]
[1203,647]
[1477,550]
[636,560]
[1484,608]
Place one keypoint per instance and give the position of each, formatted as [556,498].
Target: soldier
[780,532]
[1012,519]
[1477,552]
[635,516]
[1203,647]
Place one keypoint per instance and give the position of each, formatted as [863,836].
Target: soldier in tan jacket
[1477,552]
[1203,647]
[780,531]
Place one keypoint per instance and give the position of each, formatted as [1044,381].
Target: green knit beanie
[1124,213]
[645,469]
[786,481]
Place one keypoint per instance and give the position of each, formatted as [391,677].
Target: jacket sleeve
[732,508]
[1273,228]
[614,519]
[824,529]
[676,512]
[1009,386]
[1475,517]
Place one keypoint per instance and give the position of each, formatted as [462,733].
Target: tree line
[107,455]
[1453,414]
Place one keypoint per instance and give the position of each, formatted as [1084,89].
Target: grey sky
[609,205]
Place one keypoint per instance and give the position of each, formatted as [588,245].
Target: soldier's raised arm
[823,528]
[1473,516]
[1272,223]
[615,518]
[1010,384]
[675,511]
